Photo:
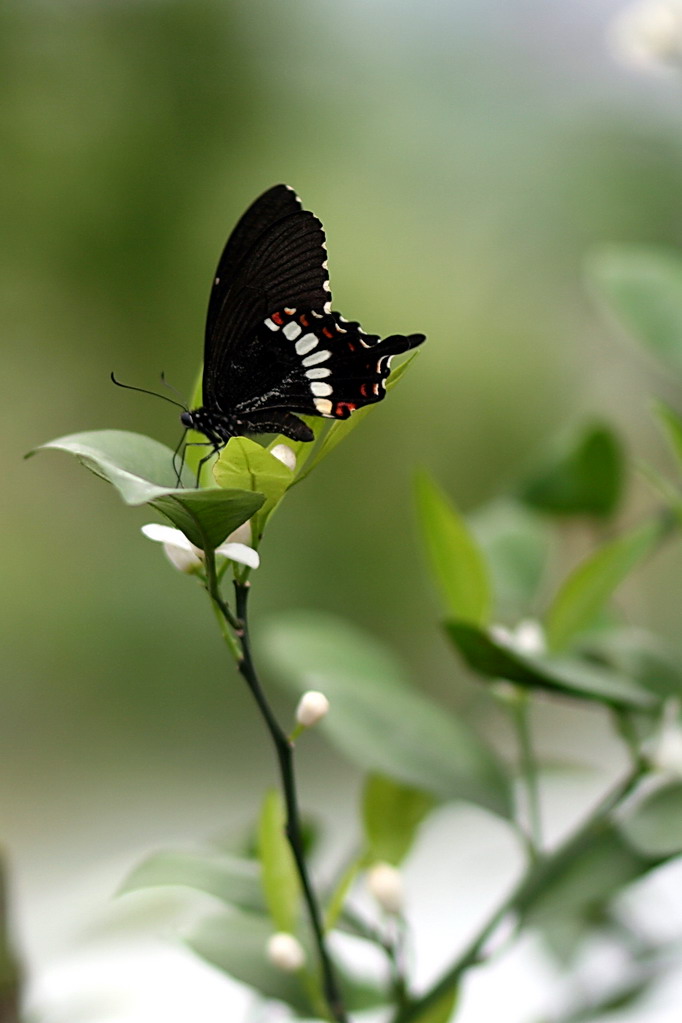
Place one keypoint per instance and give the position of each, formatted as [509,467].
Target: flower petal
[167,535]
[239,552]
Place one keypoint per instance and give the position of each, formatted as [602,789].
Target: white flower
[285,455]
[648,34]
[312,707]
[667,752]
[188,558]
[385,883]
[526,638]
[285,952]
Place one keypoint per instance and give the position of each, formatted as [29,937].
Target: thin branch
[285,757]
[472,954]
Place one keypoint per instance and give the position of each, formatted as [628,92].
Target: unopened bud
[385,883]
[285,455]
[285,952]
[312,707]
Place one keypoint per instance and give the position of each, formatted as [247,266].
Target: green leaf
[456,562]
[142,471]
[515,542]
[376,718]
[672,425]
[232,880]
[585,878]
[336,903]
[280,880]
[642,287]
[584,479]
[590,585]
[236,942]
[245,465]
[441,1011]
[391,814]
[648,659]
[567,676]
[654,826]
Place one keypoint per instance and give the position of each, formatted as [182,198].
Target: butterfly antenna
[143,390]
[173,389]
[178,470]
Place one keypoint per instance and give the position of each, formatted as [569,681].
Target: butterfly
[273,345]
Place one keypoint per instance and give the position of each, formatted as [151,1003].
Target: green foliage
[516,543]
[235,881]
[642,287]
[377,719]
[142,472]
[454,557]
[281,885]
[573,677]
[584,478]
[441,1011]
[590,585]
[246,466]
[391,815]
[654,826]
[586,877]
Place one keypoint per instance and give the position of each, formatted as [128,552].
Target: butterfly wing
[275,256]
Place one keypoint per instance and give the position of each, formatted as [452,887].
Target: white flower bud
[648,34]
[285,952]
[284,454]
[312,707]
[526,638]
[385,883]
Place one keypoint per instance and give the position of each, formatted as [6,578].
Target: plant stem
[532,881]
[285,758]
[529,773]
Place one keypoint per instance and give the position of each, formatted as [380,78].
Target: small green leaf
[376,718]
[392,814]
[590,585]
[245,465]
[455,559]
[234,881]
[336,903]
[441,1011]
[142,471]
[642,287]
[586,478]
[654,826]
[567,676]
[280,880]
[648,659]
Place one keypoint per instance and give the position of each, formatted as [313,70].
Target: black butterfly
[273,345]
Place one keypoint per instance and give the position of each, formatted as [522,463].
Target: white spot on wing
[291,330]
[318,372]
[306,344]
[323,406]
[320,389]
[318,316]
[316,357]
[269,323]
[289,312]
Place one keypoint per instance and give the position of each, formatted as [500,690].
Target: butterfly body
[273,345]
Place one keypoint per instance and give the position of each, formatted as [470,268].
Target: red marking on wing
[327,332]
[303,321]
[341,405]
[363,390]
[277,318]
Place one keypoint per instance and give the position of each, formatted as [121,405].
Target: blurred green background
[464,158]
